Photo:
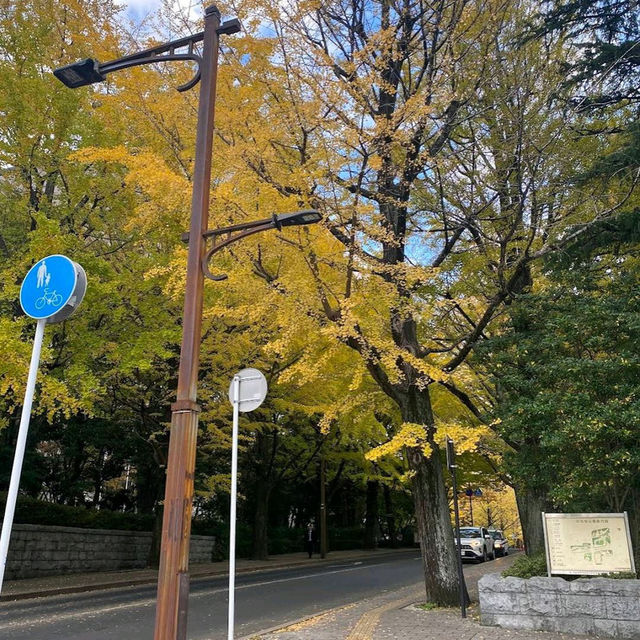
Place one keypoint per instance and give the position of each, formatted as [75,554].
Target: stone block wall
[37,550]
[597,606]
[201,549]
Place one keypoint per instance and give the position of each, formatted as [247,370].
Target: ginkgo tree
[111,362]
[434,146]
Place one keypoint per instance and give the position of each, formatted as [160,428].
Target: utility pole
[452,466]
[323,506]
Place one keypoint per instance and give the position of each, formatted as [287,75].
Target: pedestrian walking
[310,538]
[42,274]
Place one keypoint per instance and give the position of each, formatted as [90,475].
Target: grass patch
[527,567]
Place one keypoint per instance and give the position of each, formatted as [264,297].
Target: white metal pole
[21,443]
[232,516]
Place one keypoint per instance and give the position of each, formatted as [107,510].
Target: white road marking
[77,614]
[268,582]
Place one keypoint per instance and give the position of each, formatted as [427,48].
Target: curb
[133,582]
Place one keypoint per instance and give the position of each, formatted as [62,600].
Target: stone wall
[598,606]
[37,550]
[201,549]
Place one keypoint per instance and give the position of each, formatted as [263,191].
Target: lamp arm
[225,243]
[127,63]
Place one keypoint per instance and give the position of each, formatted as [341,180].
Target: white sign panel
[587,543]
[252,389]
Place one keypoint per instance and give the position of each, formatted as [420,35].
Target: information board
[587,543]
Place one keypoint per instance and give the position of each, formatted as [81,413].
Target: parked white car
[476,544]
[500,543]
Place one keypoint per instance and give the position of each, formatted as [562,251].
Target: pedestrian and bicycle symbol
[53,288]
[43,279]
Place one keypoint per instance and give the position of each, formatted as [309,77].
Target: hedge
[32,511]
[281,539]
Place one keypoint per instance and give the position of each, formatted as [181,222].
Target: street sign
[247,392]
[53,289]
[252,389]
[478,493]
[50,292]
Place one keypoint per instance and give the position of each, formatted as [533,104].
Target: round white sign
[252,389]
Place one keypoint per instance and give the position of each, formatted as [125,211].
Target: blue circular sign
[48,286]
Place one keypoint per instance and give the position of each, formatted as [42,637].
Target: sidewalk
[81,582]
[399,616]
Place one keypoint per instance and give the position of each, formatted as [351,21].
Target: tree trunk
[156,538]
[260,548]
[371,518]
[97,478]
[439,561]
[391,520]
[531,503]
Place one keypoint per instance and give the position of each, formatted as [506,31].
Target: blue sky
[138,9]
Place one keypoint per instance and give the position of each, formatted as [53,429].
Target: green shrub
[528,567]
[285,540]
[536,565]
[32,511]
[220,530]
[344,538]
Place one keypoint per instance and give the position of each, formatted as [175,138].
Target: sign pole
[232,516]
[451,464]
[247,391]
[12,496]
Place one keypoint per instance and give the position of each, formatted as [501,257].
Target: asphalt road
[263,600]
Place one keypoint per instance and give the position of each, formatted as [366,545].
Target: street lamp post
[173,575]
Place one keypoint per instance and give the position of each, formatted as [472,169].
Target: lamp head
[80,74]
[229,27]
[307,216]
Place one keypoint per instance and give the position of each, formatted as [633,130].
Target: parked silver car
[500,543]
[476,544]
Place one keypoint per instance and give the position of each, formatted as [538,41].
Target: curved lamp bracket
[230,239]
[110,67]
[238,231]
[88,71]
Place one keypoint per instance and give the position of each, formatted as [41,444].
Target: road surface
[263,600]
